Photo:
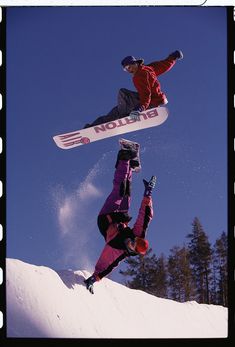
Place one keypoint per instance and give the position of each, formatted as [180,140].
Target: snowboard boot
[127,154]
[135,165]
[132,147]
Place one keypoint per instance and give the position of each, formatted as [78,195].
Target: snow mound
[42,302]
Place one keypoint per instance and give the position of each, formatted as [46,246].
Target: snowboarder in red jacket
[145,79]
[121,241]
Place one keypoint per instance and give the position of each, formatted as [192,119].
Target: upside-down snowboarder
[121,241]
[149,93]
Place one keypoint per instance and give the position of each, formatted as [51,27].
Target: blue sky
[63,70]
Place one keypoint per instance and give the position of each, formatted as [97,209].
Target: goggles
[127,67]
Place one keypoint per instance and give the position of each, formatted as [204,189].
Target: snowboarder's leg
[125,204]
[114,113]
[102,119]
[127,101]
[114,200]
[117,204]
[134,162]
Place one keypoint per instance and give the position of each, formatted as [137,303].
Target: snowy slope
[44,303]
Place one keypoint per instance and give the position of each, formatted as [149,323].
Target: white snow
[42,302]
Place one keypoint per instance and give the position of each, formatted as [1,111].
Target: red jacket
[147,85]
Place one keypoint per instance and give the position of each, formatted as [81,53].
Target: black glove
[149,185]
[177,55]
[89,284]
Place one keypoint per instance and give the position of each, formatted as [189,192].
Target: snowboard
[147,119]
[127,144]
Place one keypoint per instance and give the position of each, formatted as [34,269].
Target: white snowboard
[147,119]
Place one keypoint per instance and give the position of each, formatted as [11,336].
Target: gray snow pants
[127,101]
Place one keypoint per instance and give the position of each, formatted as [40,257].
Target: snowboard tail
[149,118]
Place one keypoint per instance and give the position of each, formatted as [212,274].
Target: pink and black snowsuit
[112,228]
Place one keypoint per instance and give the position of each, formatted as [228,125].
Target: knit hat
[141,246]
[131,60]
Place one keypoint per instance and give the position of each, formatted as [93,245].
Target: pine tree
[200,259]
[193,272]
[159,277]
[221,263]
[214,281]
[139,270]
[147,273]
[181,284]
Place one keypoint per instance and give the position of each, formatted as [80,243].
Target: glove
[135,114]
[89,284]
[149,185]
[177,55]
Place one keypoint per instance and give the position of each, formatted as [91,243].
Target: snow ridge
[42,302]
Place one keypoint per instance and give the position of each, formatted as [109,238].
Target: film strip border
[2,170]
[231,170]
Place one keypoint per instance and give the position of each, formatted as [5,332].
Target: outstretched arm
[165,65]
[145,216]
[108,260]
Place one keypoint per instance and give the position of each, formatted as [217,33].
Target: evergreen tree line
[197,271]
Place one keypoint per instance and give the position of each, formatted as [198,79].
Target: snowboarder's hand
[89,284]
[135,115]
[91,288]
[177,55]
[149,185]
